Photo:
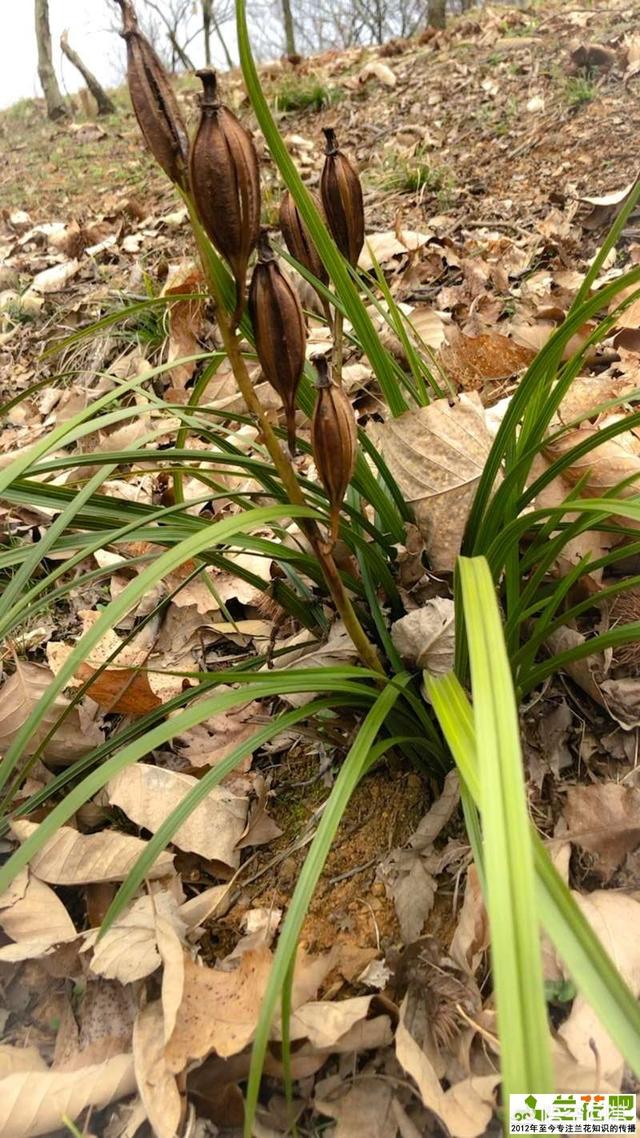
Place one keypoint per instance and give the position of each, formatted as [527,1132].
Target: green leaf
[508,858]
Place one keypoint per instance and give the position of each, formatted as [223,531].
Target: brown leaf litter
[486,197]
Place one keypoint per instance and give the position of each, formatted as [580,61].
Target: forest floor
[493,158]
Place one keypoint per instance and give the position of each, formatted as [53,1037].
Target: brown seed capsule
[342,200]
[333,441]
[225,182]
[154,102]
[279,330]
[297,239]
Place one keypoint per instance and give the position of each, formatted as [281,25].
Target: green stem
[338,346]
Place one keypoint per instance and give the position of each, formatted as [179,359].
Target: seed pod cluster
[297,239]
[333,442]
[341,194]
[279,331]
[154,102]
[225,183]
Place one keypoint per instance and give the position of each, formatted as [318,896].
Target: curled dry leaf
[471,938]
[409,874]
[156,1084]
[147,794]
[377,70]
[438,815]
[466,1107]
[426,636]
[211,902]
[260,828]
[429,326]
[34,1102]
[605,820]
[70,858]
[437,455]
[75,736]
[36,923]
[56,278]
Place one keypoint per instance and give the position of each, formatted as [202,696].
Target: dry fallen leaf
[615,919]
[14,1059]
[75,736]
[340,1026]
[601,469]
[185,320]
[470,360]
[260,827]
[466,1107]
[129,685]
[377,70]
[307,653]
[604,819]
[70,858]
[437,455]
[362,1110]
[471,938]
[426,636]
[35,922]
[156,1084]
[219,1010]
[384,246]
[147,794]
[408,877]
[148,932]
[34,1102]
[96,1027]
[211,741]
[55,279]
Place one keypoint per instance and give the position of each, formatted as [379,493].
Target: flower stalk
[231,342]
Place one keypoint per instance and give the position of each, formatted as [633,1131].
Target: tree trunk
[436,13]
[206,29]
[289,34]
[56,108]
[105,106]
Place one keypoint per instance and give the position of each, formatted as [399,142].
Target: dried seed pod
[154,102]
[297,239]
[279,329]
[342,200]
[333,441]
[225,182]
